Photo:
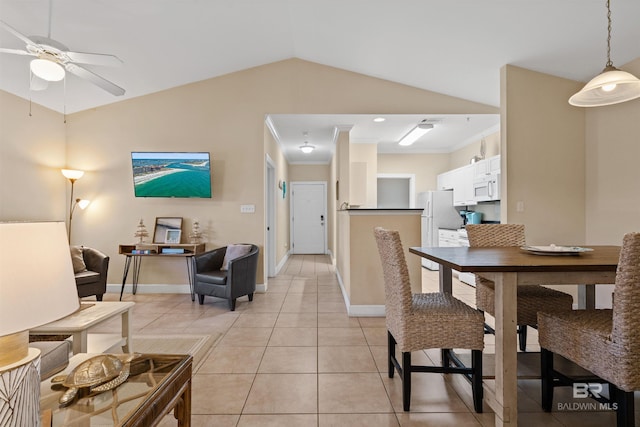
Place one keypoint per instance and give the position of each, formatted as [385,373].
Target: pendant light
[612,86]
[306,148]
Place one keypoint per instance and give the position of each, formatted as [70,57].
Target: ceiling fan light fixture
[612,86]
[306,148]
[415,133]
[47,70]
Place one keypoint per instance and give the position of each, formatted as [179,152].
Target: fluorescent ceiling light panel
[415,133]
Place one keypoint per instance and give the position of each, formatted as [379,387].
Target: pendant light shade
[612,86]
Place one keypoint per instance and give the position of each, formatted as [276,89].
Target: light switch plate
[247,208]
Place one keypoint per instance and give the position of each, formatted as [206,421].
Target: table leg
[79,342]
[127,332]
[446,279]
[182,411]
[137,261]
[586,297]
[127,263]
[191,271]
[506,391]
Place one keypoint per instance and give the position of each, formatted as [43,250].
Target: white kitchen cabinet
[451,239]
[494,164]
[448,238]
[445,181]
[463,186]
[490,166]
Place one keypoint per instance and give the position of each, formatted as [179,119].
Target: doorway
[309,217]
[396,191]
[270,231]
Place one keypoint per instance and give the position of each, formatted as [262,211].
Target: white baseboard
[282,262]
[359,310]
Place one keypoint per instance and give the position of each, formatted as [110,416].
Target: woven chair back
[496,235]
[626,302]
[397,286]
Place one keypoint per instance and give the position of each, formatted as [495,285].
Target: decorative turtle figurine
[100,373]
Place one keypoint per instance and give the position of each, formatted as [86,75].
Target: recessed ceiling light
[379,119]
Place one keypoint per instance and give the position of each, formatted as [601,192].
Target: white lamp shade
[47,70]
[415,133]
[72,174]
[83,203]
[37,283]
[611,87]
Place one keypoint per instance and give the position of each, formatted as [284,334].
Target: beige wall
[612,180]
[426,167]
[366,157]
[298,172]
[32,152]
[224,116]
[365,274]
[542,143]
[542,156]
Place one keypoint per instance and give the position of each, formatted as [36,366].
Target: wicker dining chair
[531,298]
[421,321]
[605,342]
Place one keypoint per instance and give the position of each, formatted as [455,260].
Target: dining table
[509,267]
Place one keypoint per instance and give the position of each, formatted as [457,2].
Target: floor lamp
[37,286]
[73,175]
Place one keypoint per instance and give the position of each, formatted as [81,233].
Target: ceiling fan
[53,58]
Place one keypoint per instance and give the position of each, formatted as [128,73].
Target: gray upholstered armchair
[90,267]
[236,281]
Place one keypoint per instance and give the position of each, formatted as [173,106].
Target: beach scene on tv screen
[171,174]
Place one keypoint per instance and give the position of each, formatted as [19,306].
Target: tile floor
[292,357]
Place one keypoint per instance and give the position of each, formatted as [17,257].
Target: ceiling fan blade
[94,78]
[94,59]
[18,34]
[16,51]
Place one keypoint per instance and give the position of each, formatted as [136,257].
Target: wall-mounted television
[171,174]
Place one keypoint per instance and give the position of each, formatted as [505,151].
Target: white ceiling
[451,47]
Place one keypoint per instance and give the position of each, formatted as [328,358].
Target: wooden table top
[514,259]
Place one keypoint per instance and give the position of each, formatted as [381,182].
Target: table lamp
[37,286]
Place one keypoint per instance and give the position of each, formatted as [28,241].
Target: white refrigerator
[438,213]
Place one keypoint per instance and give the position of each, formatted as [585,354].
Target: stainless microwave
[487,188]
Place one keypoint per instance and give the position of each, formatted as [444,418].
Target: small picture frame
[173,236]
[164,224]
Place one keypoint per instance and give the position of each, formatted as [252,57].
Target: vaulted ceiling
[452,47]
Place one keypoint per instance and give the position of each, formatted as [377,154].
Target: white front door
[308,217]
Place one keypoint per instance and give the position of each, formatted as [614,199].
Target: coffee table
[157,384]
[78,324]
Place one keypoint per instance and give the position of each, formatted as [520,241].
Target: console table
[138,251]
[157,384]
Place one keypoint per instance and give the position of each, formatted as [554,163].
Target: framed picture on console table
[163,226]
[173,236]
